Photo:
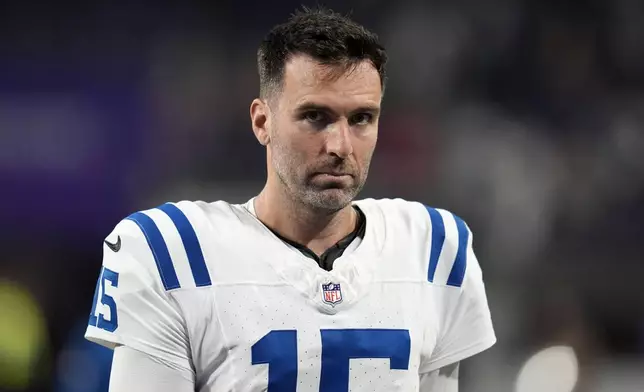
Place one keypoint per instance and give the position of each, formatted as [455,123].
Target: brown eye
[314,116]
[361,119]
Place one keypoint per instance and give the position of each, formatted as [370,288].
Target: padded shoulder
[175,233]
[442,237]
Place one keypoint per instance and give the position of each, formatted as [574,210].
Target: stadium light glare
[553,369]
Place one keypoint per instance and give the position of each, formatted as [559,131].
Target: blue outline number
[341,345]
[101,322]
[278,349]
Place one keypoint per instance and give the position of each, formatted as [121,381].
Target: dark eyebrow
[371,109]
[305,107]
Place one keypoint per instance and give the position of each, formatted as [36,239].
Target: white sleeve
[135,371]
[440,380]
[131,305]
[465,329]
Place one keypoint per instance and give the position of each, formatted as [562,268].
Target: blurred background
[525,117]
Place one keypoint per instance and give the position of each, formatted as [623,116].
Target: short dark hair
[326,36]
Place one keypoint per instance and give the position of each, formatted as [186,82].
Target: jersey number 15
[101,322]
[278,349]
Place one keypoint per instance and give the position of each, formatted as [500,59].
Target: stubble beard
[305,192]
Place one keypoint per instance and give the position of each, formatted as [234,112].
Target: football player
[302,288]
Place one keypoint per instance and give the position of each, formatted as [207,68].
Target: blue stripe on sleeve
[190,243]
[457,274]
[159,249]
[438,238]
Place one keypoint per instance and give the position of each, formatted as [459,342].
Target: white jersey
[207,288]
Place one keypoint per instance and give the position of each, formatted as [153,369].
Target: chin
[331,199]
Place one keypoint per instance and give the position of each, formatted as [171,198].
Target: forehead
[308,81]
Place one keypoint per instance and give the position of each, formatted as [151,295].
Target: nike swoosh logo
[114,246]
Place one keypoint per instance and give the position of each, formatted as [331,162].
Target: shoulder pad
[172,234]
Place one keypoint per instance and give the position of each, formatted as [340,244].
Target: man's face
[323,131]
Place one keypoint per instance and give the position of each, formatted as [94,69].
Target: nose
[339,140]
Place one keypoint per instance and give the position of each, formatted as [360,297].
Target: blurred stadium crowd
[525,117]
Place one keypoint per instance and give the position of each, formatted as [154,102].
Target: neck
[318,230]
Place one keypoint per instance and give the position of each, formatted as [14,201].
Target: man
[302,288]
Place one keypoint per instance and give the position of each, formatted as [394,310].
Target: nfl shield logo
[331,293]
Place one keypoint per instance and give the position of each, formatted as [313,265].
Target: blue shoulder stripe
[190,244]
[159,249]
[457,274]
[438,238]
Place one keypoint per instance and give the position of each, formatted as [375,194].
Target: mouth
[332,180]
[337,175]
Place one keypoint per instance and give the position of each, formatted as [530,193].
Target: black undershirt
[325,261]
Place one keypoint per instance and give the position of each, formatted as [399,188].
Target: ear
[259,117]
